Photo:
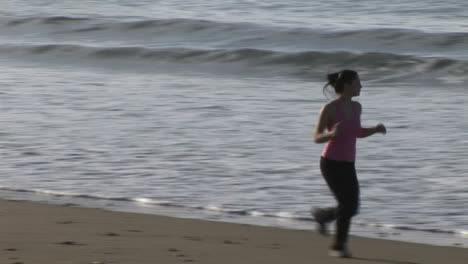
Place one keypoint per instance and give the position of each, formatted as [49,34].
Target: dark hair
[338,79]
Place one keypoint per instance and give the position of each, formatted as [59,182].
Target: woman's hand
[380,128]
[336,130]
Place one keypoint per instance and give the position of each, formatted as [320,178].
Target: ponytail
[338,79]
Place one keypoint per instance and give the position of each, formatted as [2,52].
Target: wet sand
[43,234]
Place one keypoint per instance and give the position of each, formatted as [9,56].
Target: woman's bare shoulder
[330,107]
[329,112]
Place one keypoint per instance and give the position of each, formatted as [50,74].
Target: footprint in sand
[65,222]
[229,242]
[71,243]
[181,255]
[111,234]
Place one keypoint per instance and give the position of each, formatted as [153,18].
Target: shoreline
[359,229]
[47,233]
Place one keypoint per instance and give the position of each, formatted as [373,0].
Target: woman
[339,125]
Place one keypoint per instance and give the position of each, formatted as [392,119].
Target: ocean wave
[290,63]
[44,20]
[248,35]
[83,24]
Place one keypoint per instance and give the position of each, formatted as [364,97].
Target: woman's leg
[342,181]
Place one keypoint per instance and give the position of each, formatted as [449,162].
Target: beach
[205,110]
[45,233]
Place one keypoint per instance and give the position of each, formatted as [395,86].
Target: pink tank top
[343,147]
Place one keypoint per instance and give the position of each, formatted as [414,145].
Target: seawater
[206,110]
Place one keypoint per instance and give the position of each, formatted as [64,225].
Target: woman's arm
[369,131]
[320,135]
[366,132]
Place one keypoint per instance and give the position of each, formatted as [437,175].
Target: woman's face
[355,87]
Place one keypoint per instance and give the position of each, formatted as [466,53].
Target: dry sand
[34,233]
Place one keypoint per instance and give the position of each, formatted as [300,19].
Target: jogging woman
[338,126]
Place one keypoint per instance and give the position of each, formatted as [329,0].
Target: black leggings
[342,181]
